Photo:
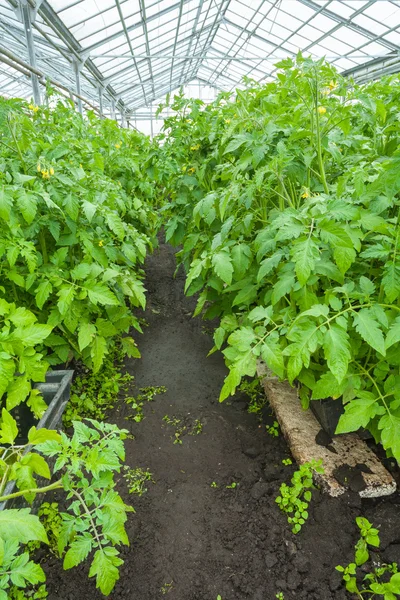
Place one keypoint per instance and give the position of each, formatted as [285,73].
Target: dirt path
[203,540]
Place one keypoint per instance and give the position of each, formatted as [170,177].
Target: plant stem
[53,486]
[42,241]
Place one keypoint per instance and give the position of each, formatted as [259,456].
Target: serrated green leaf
[78,551]
[305,253]
[86,333]
[43,292]
[222,265]
[98,352]
[101,294]
[20,525]
[104,568]
[369,329]
[8,428]
[337,351]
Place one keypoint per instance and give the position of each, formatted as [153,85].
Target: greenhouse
[200,299]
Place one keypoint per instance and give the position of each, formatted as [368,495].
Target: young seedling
[255,394]
[147,394]
[273,429]
[232,486]
[166,588]
[294,499]
[287,462]
[390,590]
[136,480]
[214,484]
[280,596]
[197,428]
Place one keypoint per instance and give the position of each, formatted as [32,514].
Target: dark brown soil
[195,541]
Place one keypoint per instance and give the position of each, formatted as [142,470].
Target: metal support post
[101,102]
[77,72]
[122,118]
[27,19]
[151,122]
[113,108]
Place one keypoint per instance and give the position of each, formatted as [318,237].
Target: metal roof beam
[116,35]
[176,37]
[348,23]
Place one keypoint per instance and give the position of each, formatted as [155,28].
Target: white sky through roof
[139,50]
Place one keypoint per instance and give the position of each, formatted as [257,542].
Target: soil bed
[192,541]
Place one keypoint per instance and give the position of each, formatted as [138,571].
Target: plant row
[285,200]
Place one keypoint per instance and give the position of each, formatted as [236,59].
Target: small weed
[255,394]
[136,480]
[180,428]
[287,462]
[214,484]
[38,593]
[147,394]
[273,429]
[369,536]
[197,428]
[219,597]
[232,486]
[294,499]
[51,520]
[280,596]
[166,588]
[94,394]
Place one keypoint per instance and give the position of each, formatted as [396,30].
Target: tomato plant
[285,199]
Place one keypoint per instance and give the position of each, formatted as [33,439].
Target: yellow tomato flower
[332,85]
[305,195]
[227,121]
[191,170]
[31,106]
[101,243]
[51,171]
[118,146]
[321,110]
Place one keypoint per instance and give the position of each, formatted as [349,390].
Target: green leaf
[272,354]
[66,295]
[230,384]
[43,291]
[6,203]
[222,264]
[27,204]
[393,335]
[358,413]
[81,271]
[87,331]
[116,225]
[305,253]
[8,428]
[101,294]
[104,568]
[89,209]
[129,347]
[98,352]
[344,257]
[24,570]
[241,259]
[391,281]
[18,391]
[20,525]
[366,285]
[78,551]
[39,436]
[268,264]
[260,313]
[7,369]
[283,286]
[33,334]
[369,329]
[337,351]
[327,386]
[242,339]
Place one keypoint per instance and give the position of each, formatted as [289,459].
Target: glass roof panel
[137,50]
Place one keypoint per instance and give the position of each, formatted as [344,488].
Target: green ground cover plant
[285,199]
[294,499]
[383,580]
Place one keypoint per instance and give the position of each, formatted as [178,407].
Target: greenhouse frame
[123,56]
[200,299]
